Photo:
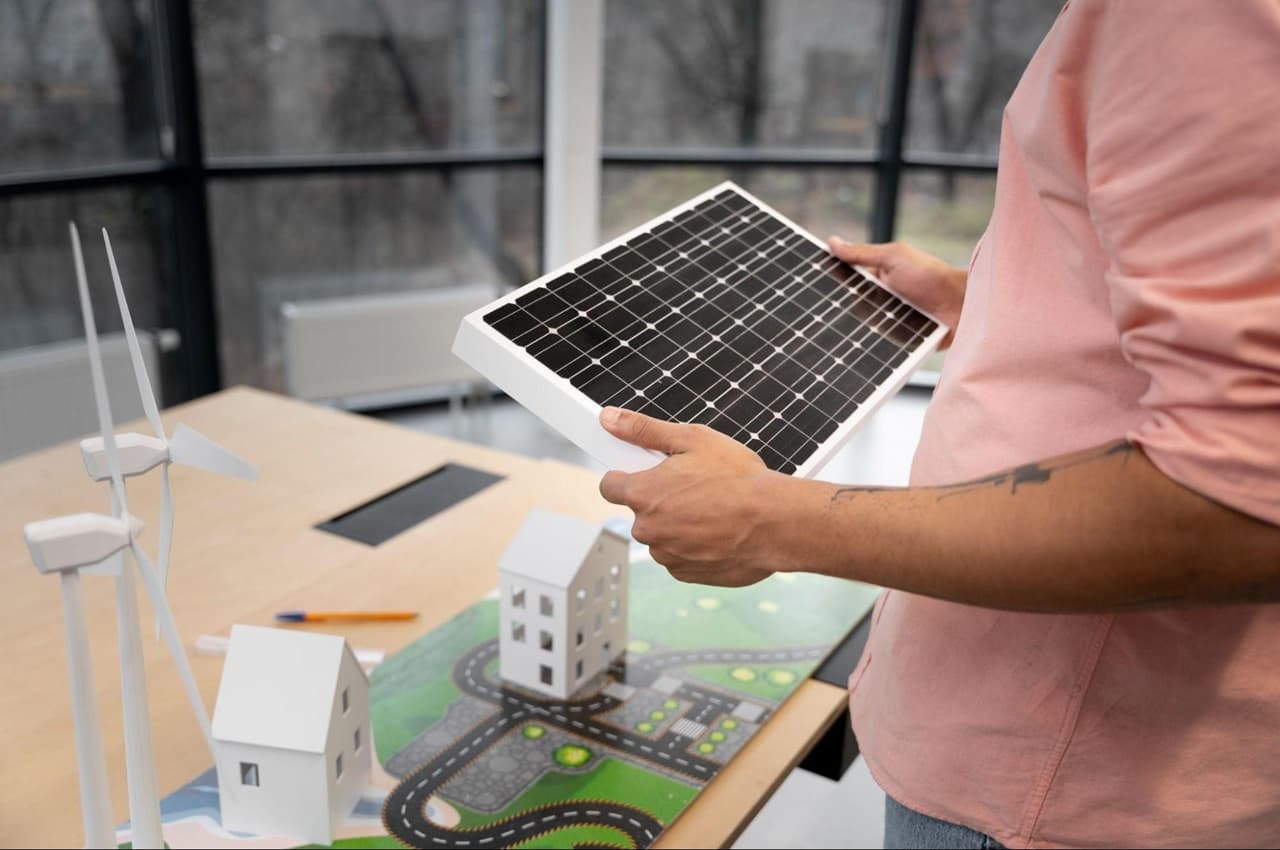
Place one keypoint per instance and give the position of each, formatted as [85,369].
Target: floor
[807,810]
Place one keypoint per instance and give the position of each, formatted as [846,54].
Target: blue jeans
[907,828]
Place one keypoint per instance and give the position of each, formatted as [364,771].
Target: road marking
[571,814]
[507,833]
[548,818]
[419,834]
[615,815]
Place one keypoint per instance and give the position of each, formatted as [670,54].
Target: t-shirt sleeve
[1182,126]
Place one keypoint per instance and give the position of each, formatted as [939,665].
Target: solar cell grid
[723,315]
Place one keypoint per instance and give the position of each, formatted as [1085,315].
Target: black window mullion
[893,123]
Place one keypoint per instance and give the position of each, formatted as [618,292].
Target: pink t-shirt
[1128,284]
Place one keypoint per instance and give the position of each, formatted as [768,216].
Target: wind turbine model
[139,453]
[64,545]
[144,800]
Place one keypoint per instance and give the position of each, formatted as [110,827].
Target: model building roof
[550,547]
[278,688]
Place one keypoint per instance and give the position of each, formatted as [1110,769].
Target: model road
[404,812]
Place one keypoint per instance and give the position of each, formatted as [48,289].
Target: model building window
[613,608]
[579,643]
[582,597]
[249,773]
[546,607]
[517,632]
[579,669]
[614,572]
[599,622]
[346,700]
[357,739]
[544,640]
[544,673]
[517,597]
[337,766]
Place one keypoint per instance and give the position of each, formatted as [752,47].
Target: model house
[563,604]
[291,733]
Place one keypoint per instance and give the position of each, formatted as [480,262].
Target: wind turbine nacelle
[136,452]
[78,540]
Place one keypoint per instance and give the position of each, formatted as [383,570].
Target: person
[1081,642]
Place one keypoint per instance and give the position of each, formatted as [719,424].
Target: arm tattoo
[1025,475]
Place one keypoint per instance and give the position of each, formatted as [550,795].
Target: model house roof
[278,688]
[550,547]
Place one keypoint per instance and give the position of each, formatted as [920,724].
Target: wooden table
[242,551]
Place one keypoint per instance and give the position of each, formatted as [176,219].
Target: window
[544,674]
[346,701]
[517,632]
[581,596]
[249,773]
[579,641]
[613,609]
[544,640]
[615,572]
[517,597]
[579,670]
[337,766]
[356,737]
[599,622]
[545,606]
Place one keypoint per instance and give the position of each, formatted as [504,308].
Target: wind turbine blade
[135,352]
[120,507]
[170,631]
[166,532]
[191,448]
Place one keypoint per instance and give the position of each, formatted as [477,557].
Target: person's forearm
[1102,530]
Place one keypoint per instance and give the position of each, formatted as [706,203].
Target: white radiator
[368,349]
[46,393]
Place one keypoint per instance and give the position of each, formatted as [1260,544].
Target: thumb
[645,431]
[862,253]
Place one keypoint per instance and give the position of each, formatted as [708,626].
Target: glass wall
[248,152]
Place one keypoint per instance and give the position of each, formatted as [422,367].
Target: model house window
[357,739]
[517,632]
[546,607]
[599,622]
[517,597]
[613,609]
[544,673]
[544,640]
[582,598]
[579,643]
[249,773]
[337,766]
[614,572]
[346,700]
[579,669]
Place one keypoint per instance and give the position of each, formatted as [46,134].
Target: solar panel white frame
[568,410]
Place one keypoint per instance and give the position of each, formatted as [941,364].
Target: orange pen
[344,616]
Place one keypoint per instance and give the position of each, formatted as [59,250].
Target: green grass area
[533,731]
[610,780]
[785,610]
[411,690]
[771,682]
[579,836]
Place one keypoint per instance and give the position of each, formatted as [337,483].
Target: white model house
[291,733]
[563,603]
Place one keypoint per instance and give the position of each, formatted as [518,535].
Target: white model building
[563,603]
[291,733]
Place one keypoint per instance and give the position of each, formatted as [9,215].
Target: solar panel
[720,312]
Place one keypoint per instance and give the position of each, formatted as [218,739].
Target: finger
[613,487]
[862,253]
[647,432]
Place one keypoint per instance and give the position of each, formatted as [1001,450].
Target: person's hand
[700,510]
[934,285]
